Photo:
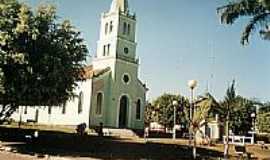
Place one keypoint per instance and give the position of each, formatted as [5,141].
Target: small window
[138,110]
[124,28]
[80,103]
[64,105]
[99,103]
[126,50]
[104,50]
[126,78]
[128,29]
[111,26]
[106,28]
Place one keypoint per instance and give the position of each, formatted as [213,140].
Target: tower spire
[119,5]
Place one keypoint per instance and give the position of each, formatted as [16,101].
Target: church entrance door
[123,112]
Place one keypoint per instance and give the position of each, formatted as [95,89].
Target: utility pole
[212,67]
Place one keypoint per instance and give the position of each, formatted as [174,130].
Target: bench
[240,149]
[242,152]
[262,144]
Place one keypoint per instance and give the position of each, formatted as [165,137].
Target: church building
[112,94]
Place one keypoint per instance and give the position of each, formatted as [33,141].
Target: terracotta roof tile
[88,72]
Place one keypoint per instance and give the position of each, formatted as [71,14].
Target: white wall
[71,117]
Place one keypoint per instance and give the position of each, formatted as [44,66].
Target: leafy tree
[161,110]
[149,114]
[238,109]
[265,108]
[258,10]
[263,120]
[240,117]
[40,58]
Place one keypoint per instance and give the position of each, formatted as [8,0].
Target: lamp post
[192,85]
[253,117]
[175,103]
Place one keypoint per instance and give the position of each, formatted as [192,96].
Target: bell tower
[117,36]
[124,93]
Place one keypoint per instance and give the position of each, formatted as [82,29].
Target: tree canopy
[257,10]
[161,110]
[263,118]
[239,110]
[41,58]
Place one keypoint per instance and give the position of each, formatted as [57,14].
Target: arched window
[128,29]
[99,103]
[111,26]
[50,110]
[80,103]
[106,28]
[124,28]
[25,110]
[138,110]
[104,50]
[108,49]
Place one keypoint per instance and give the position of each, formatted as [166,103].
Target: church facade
[112,94]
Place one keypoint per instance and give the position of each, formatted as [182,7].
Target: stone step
[119,132]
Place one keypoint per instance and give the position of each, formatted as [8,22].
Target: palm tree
[229,102]
[202,107]
[258,10]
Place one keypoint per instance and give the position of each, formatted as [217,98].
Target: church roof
[119,5]
[143,85]
[89,72]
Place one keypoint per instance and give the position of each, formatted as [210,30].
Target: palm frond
[203,106]
[265,34]
[229,13]
[230,93]
[256,21]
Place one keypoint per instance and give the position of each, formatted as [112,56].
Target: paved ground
[16,156]
[8,153]
[11,156]
[70,146]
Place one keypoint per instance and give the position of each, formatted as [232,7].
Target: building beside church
[112,94]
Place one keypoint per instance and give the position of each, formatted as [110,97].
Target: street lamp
[253,129]
[175,104]
[192,85]
[253,117]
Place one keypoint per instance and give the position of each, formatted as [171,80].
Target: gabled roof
[89,72]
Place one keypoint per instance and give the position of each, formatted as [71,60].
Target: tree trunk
[6,111]
[226,145]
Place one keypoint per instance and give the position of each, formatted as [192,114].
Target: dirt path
[13,156]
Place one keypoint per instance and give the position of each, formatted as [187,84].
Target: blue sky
[177,40]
